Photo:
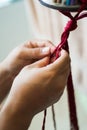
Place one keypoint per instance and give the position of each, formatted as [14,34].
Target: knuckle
[19,51]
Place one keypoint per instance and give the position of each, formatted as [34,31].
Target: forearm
[13,117]
[6,80]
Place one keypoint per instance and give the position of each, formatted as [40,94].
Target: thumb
[36,53]
[61,62]
[41,63]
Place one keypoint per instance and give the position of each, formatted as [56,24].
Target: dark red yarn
[44,120]
[71,25]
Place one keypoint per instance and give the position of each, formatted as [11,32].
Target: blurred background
[14,25]
[16,28]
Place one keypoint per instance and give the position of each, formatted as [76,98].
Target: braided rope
[70,26]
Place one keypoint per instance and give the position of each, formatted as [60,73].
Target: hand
[21,56]
[37,86]
[26,54]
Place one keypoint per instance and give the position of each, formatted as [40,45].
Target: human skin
[21,56]
[37,86]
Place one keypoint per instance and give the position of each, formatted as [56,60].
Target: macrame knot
[71,25]
[84,1]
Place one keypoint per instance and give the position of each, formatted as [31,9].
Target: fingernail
[46,50]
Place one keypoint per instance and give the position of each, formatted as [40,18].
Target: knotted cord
[70,26]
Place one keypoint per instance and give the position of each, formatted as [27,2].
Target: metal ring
[60,6]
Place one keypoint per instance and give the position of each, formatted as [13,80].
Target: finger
[62,62]
[35,53]
[40,43]
[41,63]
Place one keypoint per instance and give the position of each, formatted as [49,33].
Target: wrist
[5,72]
[6,80]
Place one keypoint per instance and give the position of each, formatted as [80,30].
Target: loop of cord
[70,26]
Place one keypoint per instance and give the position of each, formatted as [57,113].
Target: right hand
[40,85]
[37,86]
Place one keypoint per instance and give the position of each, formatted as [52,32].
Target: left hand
[26,54]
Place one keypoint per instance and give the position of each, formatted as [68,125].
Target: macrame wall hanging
[66,7]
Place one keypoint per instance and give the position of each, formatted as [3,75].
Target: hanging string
[54,119]
[71,25]
[44,120]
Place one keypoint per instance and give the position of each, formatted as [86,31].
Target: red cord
[44,120]
[71,25]
[54,119]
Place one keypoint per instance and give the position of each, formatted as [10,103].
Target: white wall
[14,27]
